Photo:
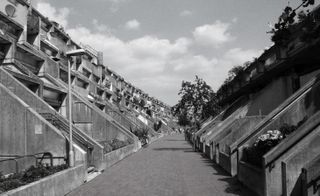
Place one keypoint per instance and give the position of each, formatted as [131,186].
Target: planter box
[225,156]
[233,127]
[292,111]
[117,155]
[252,177]
[310,178]
[281,166]
[57,184]
[203,130]
[304,152]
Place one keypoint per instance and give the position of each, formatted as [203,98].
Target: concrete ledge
[57,184]
[115,156]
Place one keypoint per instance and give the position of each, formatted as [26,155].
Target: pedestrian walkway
[168,167]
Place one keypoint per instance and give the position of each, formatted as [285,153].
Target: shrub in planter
[253,154]
[30,175]
[142,134]
[263,144]
[114,144]
[106,146]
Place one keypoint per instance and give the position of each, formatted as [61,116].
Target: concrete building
[33,93]
[277,90]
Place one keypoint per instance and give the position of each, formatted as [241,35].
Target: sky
[157,44]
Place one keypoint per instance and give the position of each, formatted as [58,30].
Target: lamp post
[69,55]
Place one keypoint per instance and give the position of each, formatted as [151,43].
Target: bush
[30,175]
[111,145]
[142,134]
[267,141]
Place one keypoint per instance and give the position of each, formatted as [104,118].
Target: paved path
[167,167]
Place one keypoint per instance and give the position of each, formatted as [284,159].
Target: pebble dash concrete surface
[167,167]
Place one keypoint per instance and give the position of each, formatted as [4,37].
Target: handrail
[78,135]
[17,157]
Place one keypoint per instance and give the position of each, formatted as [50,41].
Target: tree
[232,73]
[281,30]
[198,102]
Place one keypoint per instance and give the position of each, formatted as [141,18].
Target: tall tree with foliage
[198,102]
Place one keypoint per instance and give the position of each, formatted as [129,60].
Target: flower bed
[265,142]
[111,145]
[30,175]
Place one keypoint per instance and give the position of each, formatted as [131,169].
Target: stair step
[92,175]
[91,169]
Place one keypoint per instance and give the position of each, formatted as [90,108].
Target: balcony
[47,47]
[10,27]
[29,57]
[4,47]
[63,74]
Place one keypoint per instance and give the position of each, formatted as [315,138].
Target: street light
[69,55]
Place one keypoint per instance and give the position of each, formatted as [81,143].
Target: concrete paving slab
[167,167]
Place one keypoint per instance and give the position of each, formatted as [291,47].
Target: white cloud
[102,27]
[186,13]
[158,65]
[235,20]
[132,25]
[115,4]
[214,34]
[59,15]
[238,55]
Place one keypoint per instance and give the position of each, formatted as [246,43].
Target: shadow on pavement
[174,140]
[172,149]
[234,186]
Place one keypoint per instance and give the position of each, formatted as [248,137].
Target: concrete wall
[115,156]
[39,105]
[24,132]
[270,97]
[247,126]
[310,178]
[95,124]
[252,177]
[22,92]
[51,67]
[303,152]
[239,113]
[305,105]
[57,184]
[105,122]
[305,78]
[21,14]
[302,107]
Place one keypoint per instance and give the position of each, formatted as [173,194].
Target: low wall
[155,138]
[310,178]
[305,151]
[252,177]
[57,184]
[117,155]
[223,146]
